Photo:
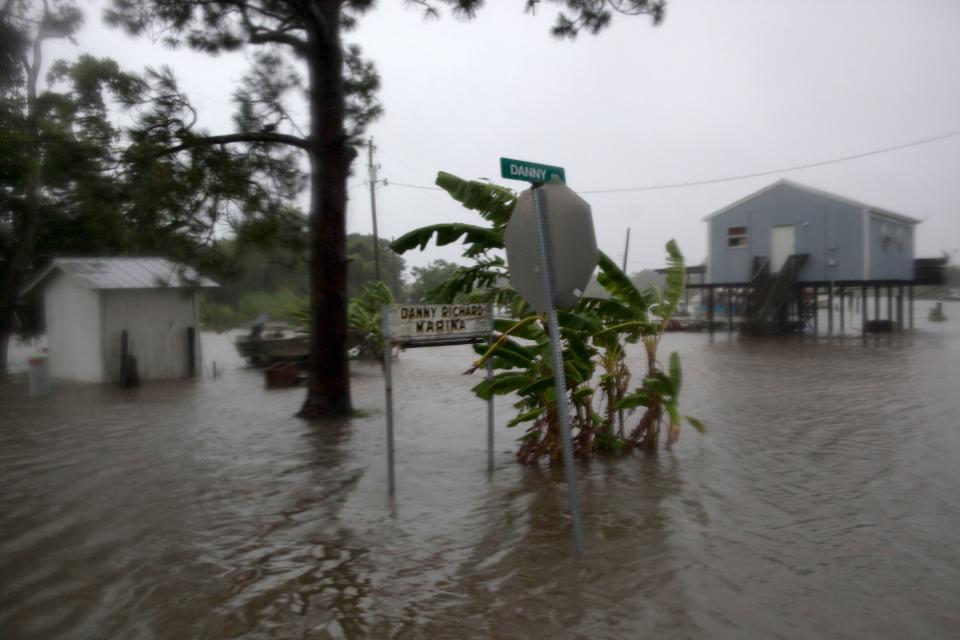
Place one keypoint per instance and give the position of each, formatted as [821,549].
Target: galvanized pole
[388,387]
[559,376]
[490,407]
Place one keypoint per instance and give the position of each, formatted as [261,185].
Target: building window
[737,237]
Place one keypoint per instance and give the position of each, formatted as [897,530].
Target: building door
[781,246]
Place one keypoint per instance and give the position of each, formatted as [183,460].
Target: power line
[810,165]
[696,183]
[414,186]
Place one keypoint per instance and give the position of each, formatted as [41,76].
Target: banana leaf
[493,202]
[483,238]
[673,291]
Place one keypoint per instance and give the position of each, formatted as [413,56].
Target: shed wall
[156,321]
[72,316]
[829,231]
[891,249]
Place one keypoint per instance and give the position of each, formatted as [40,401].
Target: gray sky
[720,89]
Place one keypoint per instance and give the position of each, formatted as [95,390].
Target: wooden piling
[890,303]
[710,306]
[729,310]
[816,311]
[830,308]
[910,294]
[863,305]
[842,292]
[900,307]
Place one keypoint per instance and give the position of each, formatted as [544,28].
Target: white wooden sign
[432,325]
[444,322]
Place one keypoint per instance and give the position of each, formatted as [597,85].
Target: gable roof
[826,194]
[123,273]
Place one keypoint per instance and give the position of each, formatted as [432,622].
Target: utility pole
[372,178]
[626,250]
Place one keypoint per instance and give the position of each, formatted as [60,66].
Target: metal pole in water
[490,408]
[388,388]
[559,376]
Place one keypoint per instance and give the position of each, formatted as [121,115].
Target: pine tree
[341,87]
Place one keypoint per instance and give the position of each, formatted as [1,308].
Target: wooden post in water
[876,302]
[890,303]
[710,305]
[900,307]
[841,309]
[830,308]
[124,360]
[729,310]
[910,293]
[863,305]
[799,305]
[816,311]
[191,352]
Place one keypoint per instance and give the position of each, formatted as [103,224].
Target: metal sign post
[545,285]
[559,375]
[388,389]
[432,325]
[490,414]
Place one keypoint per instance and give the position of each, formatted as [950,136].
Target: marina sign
[432,325]
[439,322]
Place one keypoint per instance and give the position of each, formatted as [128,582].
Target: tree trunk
[20,261]
[328,384]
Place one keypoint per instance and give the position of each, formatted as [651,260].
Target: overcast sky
[719,89]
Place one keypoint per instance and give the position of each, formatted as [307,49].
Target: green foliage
[217,317]
[363,315]
[594,334]
[428,281]
[361,268]
[282,305]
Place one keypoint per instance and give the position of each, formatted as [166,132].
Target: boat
[274,343]
[279,343]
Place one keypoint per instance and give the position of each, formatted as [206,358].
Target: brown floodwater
[823,502]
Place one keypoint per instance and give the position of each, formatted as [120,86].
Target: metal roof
[123,273]
[826,194]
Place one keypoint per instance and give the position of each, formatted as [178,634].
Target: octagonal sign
[572,242]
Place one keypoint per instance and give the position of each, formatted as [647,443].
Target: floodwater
[823,502]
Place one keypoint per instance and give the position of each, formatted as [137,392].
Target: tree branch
[279,37]
[259,35]
[263,137]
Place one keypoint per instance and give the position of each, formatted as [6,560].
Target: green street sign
[530,171]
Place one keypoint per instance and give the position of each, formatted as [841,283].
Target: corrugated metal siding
[130,273]
[891,249]
[828,230]
[73,331]
[156,322]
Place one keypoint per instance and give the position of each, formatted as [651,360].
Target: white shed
[89,303]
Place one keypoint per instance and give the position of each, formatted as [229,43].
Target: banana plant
[659,392]
[594,335]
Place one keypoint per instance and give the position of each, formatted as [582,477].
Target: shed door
[781,246]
